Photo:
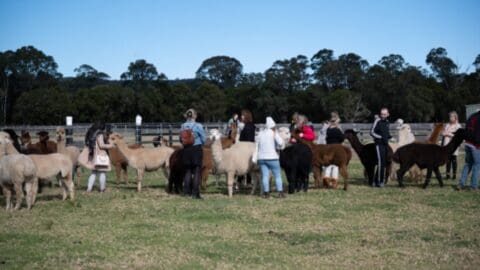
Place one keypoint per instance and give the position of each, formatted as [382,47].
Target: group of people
[269,143]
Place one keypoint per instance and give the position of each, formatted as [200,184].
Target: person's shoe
[197,197]
[102,190]
[186,195]
[447,176]
[458,187]
[266,195]
[281,195]
[454,177]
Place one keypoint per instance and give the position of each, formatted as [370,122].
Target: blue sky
[176,36]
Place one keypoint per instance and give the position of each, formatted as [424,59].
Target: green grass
[363,228]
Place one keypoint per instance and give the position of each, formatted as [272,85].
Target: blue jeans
[265,167]
[472,163]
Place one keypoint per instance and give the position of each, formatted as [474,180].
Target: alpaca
[236,160]
[52,165]
[328,154]
[143,159]
[426,156]
[322,134]
[71,151]
[437,130]
[44,146]
[17,170]
[296,161]
[368,155]
[120,162]
[14,138]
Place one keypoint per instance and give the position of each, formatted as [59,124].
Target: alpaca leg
[317,175]
[34,190]
[125,173]
[230,179]
[18,193]
[8,197]
[204,177]
[370,174]
[436,170]
[388,170]
[118,172]
[427,179]
[255,182]
[28,191]
[344,173]
[63,186]
[290,180]
[404,167]
[140,173]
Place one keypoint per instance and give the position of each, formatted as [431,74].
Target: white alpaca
[322,134]
[405,136]
[236,160]
[16,170]
[71,151]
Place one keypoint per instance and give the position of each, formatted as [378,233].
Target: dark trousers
[452,164]
[381,150]
[191,181]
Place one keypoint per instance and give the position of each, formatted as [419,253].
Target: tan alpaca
[236,160]
[71,151]
[143,159]
[52,165]
[16,170]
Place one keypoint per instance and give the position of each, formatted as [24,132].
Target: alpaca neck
[123,148]
[61,146]
[453,144]
[217,151]
[355,142]
[435,134]
[10,149]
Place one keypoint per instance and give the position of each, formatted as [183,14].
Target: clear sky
[176,36]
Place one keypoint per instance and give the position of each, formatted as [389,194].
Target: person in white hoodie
[268,141]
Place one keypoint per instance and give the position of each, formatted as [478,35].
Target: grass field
[363,228]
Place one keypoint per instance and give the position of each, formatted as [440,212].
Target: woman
[193,155]
[247,134]
[450,128]
[304,130]
[97,158]
[268,141]
[334,136]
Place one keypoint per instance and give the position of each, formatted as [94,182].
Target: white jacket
[268,142]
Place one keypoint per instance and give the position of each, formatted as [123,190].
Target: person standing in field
[192,137]
[472,152]
[381,134]
[334,135]
[247,134]
[450,128]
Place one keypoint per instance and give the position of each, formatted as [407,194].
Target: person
[247,134]
[472,152]
[304,130]
[96,142]
[450,128]
[293,122]
[193,155]
[381,134]
[334,135]
[268,141]
[231,123]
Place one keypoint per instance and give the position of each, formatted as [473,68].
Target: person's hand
[293,140]
[301,135]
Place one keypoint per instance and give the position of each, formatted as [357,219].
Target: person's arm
[102,144]
[372,131]
[278,140]
[201,133]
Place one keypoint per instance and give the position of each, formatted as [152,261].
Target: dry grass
[363,228]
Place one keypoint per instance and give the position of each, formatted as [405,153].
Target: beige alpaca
[405,136]
[143,159]
[236,160]
[52,165]
[71,151]
[16,170]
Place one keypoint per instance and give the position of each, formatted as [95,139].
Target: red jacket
[308,133]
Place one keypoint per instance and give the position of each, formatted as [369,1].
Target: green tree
[288,75]
[442,66]
[348,104]
[223,70]
[210,102]
[88,72]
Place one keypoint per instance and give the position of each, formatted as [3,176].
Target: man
[381,134]
[472,152]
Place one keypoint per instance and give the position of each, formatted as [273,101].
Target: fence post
[69,130]
[138,129]
[170,135]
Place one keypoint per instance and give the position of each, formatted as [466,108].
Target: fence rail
[170,131]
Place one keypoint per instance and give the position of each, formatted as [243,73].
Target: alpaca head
[459,135]
[60,134]
[43,136]
[214,134]
[25,138]
[350,133]
[4,140]
[285,134]
[115,138]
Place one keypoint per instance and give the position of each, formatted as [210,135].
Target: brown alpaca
[120,162]
[328,154]
[42,147]
[437,130]
[143,159]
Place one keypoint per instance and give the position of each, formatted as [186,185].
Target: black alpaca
[426,156]
[296,160]
[177,171]
[368,155]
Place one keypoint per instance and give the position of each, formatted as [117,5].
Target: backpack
[187,136]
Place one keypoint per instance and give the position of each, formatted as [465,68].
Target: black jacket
[248,133]
[334,136]
[380,131]
[472,135]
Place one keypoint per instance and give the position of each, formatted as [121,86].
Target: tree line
[34,92]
